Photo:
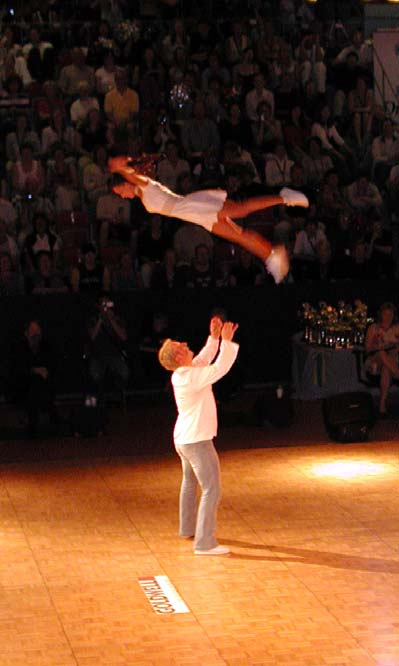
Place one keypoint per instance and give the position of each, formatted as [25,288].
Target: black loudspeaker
[88,421]
[273,410]
[348,417]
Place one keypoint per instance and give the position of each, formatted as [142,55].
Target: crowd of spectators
[250,104]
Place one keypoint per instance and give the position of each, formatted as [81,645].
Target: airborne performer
[210,209]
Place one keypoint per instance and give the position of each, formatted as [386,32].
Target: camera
[29,197]
[11,12]
[106,305]
[163,120]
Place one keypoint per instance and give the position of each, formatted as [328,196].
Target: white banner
[386,70]
[162,595]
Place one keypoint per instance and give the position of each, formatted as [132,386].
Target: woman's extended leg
[275,258]
[287,197]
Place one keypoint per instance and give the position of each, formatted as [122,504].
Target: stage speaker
[273,409]
[348,417]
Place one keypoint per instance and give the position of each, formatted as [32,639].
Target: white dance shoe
[217,550]
[277,263]
[294,198]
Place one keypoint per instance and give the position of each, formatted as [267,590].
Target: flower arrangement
[127,30]
[343,326]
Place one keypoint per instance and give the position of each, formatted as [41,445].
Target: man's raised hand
[228,330]
[215,327]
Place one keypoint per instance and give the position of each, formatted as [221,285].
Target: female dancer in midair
[210,209]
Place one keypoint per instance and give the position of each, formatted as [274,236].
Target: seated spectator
[364,196]
[166,275]
[237,159]
[209,172]
[12,101]
[236,43]
[246,272]
[151,246]
[177,38]
[360,266]
[235,127]
[22,135]
[75,73]
[107,357]
[8,214]
[382,343]
[81,107]
[125,276]
[316,163]
[385,152]
[110,205]
[342,237]
[32,376]
[285,97]
[258,94]
[360,108]
[358,46]
[343,75]
[62,181]
[283,65]
[214,69]
[269,45]
[163,131]
[296,133]
[102,44]
[185,240]
[90,276]
[115,230]
[93,132]
[215,101]
[246,68]
[305,253]
[202,42]
[392,188]
[45,280]
[171,166]
[28,174]
[8,245]
[58,132]
[202,274]
[331,141]
[96,179]
[278,167]
[267,130]
[380,250]
[50,102]
[199,133]
[310,101]
[11,281]
[105,75]
[331,199]
[39,56]
[40,239]
[121,105]
[310,57]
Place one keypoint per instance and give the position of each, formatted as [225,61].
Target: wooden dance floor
[312,579]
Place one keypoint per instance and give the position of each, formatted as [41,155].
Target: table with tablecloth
[319,372]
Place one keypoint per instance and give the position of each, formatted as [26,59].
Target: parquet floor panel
[312,578]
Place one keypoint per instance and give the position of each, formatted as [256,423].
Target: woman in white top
[382,346]
[210,209]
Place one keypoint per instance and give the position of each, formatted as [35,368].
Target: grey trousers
[200,464]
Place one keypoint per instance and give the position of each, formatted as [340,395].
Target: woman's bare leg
[385,383]
[250,240]
[388,362]
[239,209]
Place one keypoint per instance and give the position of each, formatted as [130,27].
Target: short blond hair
[167,355]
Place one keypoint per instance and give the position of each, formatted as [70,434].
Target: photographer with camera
[107,357]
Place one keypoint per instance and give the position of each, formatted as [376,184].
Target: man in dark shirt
[32,375]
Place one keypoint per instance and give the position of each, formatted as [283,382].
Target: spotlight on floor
[349,469]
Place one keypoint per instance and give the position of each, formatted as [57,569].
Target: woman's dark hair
[387,306]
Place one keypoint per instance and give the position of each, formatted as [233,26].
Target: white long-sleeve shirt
[192,386]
